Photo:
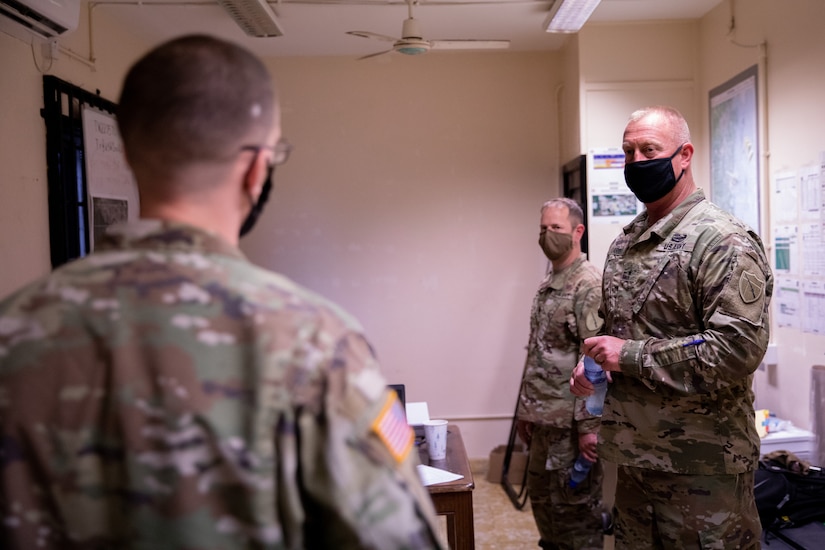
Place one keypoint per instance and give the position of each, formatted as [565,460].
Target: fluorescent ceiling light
[255,17]
[569,15]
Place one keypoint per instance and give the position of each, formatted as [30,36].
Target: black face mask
[258,207]
[650,180]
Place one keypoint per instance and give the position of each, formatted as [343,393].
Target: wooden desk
[455,498]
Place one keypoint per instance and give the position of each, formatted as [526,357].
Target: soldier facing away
[164,392]
[686,294]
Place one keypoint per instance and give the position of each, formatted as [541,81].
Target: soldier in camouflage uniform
[686,290]
[557,426]
[164,392]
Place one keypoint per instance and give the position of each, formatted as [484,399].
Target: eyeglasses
[281,151]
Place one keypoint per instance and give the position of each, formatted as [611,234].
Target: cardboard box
[518,462]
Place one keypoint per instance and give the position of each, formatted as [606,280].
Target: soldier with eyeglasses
[164,392]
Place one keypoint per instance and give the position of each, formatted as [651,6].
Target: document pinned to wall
[612,201]
[813,314]
[788,297]
[113,195]
[785,197]
[786,249]
[813,246]
[810,192]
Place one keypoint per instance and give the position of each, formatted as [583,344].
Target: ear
[254,177]
[686,154]
[578,232]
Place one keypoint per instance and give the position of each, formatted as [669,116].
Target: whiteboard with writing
[113,195]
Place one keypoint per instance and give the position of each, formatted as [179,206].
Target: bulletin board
[64,110]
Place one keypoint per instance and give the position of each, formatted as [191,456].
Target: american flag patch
[392,428]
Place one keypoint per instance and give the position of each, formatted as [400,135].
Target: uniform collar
[663,227]
[557,279]
[165,236]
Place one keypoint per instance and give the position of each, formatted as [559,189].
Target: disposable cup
[435,434]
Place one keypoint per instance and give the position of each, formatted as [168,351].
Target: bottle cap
[591,365]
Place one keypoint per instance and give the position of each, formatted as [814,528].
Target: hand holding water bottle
[605,351]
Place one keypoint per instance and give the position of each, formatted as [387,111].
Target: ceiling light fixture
[569,15]
[255,17]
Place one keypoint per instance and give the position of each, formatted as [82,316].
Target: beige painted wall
[412,199]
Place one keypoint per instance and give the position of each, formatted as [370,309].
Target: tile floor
[498,524]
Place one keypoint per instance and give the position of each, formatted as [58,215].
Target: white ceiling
[318,27]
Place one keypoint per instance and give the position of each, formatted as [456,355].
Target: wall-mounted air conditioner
[45,19]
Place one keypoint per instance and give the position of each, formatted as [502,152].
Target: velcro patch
[392,428]
[751,287]
[593,322]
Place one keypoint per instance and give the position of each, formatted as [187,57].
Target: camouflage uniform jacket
[691,296]
[564,313]
[164,392]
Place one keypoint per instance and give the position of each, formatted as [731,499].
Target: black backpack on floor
[789,492]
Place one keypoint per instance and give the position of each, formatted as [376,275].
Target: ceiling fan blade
[469,44]
[367,34]
[374,54]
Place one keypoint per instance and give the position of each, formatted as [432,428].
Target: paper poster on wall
[786,249]
[813,314]
[810,192]
[785,197]
[612,200]
[112,190]
[822,182]
[787,302]
[813,249]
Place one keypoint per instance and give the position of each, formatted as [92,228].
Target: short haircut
[678,124]
[194,99]
[574,211]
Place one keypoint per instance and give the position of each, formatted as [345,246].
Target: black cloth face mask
[258,206]
[650,180]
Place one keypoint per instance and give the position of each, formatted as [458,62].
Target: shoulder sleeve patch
[392,429]
[593,322]
[751,287]
[743,297]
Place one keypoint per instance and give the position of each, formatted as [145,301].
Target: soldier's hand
[605,350]
[587,446]
[580,386]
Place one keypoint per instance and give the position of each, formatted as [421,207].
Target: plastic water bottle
[579,471]
[593,371]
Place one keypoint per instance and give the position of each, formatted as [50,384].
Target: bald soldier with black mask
[685,299]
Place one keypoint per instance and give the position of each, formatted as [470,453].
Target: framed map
[734,147]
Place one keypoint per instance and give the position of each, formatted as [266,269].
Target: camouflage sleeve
[358,463]
[530,366]
[587,303]
[733,287]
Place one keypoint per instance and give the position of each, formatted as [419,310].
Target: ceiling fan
[412,40]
